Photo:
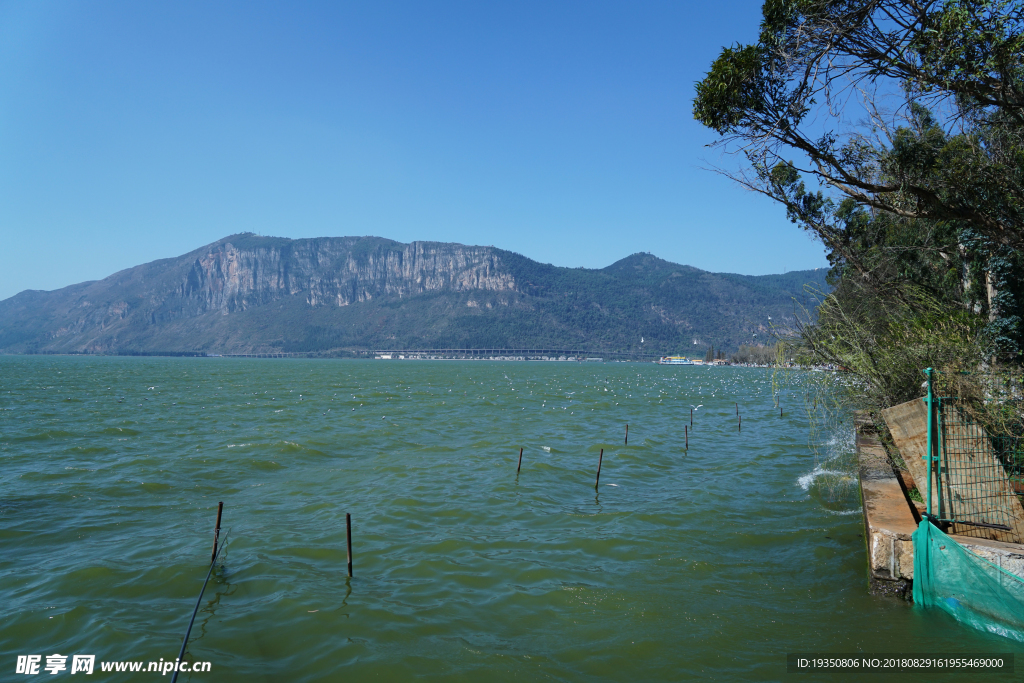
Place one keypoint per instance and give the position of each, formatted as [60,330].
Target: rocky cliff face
[248,293]
[238,274]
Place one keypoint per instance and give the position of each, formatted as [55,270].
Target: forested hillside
[246,294]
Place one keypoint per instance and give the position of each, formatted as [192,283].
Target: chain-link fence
[976,443]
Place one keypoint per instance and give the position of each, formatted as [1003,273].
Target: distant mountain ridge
[253,294]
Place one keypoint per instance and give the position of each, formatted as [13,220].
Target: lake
[707,563]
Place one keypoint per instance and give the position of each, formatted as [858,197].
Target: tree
[921,205]
[961,57]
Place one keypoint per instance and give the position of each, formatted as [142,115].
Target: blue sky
[560,130]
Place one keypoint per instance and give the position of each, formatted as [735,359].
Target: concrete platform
[888,519]
[1007,556]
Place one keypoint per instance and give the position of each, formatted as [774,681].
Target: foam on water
[806,481]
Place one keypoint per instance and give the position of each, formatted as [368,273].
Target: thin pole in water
[737,409]
[348,538]
[739,424]
[520,461]
[213,563]
[691,417]
[627,435]
[216,532]
[780,411]
[600,459]
[686,432]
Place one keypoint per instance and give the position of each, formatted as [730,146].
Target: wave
[807,480]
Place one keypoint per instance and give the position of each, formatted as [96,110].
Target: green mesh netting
[972,589]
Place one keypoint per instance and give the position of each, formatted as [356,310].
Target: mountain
[253,294]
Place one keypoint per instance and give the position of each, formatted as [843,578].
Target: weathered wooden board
[908,424]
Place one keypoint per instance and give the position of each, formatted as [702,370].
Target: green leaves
[732,90]
[972,47]
[893,131]
[885,343]
[963,59]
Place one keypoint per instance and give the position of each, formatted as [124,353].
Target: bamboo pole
[216,532]
[600,460]
[348,539]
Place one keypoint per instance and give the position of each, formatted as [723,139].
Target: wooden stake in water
[520,461]
[739,424]
[348,539]
[780,411]
[691,417]
[627,435]
[737,409]
[600,459]
[686,432]
[216,532]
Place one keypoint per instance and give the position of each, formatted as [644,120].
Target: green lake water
[711,563]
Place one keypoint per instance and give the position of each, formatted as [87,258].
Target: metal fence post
[930,442]
[939,438]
